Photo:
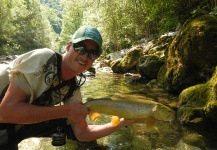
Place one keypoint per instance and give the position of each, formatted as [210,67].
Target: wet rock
[105,63]
[116,55]
[157,46]
[195,140]
[105,69]
[149,66]
[92,70]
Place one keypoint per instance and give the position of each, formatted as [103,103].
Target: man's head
[88,33]
[82,51]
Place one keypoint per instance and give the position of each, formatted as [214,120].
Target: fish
[129,109]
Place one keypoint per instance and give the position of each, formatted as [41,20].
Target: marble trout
[130,109]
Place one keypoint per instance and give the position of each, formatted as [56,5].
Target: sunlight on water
[106,85]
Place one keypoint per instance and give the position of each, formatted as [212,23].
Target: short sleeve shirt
[35,72]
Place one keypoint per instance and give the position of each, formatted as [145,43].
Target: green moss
[185,113]
[203,96]
[152,82]
[195,140]
[149,66]
[161,76]
[192,55]
[211,110]
[130,60]
[190,114]
[194,95]
[128,63]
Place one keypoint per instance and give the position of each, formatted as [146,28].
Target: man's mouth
[81,62]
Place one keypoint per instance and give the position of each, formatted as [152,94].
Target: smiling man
[40,93]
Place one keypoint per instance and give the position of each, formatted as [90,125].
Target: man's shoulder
[43,51]
[39,54]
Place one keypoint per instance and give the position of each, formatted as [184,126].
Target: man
[39,92]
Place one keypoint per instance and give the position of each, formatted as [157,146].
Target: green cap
[88,33]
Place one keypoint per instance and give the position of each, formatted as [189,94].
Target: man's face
[76,62]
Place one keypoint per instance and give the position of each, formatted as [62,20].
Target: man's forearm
[24,113]
[93,132]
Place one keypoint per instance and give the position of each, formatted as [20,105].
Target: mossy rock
[202,96]
[195,140]
[192,55]
[128,62]
[149,66]
[211,110]
[190,115]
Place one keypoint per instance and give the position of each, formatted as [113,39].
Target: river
[164,136]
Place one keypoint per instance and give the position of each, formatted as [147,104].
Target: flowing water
[164,136]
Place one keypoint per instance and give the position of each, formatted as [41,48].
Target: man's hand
[78,112]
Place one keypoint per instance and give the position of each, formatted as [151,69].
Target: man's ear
[69,46]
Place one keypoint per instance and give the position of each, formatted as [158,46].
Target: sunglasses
[92,54]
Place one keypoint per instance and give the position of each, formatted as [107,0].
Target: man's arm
[15,109]
[85,132]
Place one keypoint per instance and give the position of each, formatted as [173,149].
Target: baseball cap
[88,33]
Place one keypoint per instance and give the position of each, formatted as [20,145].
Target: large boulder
[129,62]
[192,55]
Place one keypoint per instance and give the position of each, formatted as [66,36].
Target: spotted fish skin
[131,109]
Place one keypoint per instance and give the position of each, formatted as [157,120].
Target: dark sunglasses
[92,54]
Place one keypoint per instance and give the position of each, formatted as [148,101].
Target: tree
[23,26]
[72,19]
[6,27]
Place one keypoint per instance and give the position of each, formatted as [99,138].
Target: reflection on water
[164,136]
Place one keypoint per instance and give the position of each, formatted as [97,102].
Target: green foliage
[72,20]
[121,23]
[6,27]
[29,24]
[53,11]
[23,27]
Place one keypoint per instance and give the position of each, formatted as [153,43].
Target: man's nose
[85,56]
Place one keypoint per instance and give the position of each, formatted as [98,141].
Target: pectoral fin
[94,116]
[155,108]
[150,122]
[115,120]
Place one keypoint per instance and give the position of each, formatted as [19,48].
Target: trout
[130,109]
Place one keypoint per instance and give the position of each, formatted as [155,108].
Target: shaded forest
[30,24]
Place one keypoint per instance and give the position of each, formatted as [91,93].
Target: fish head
[162,112]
